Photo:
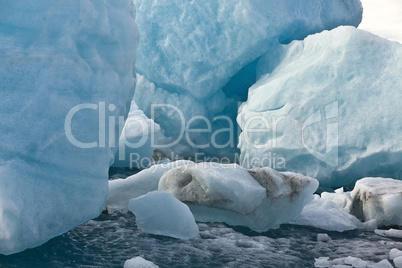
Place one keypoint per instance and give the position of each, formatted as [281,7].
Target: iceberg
[137,141]
[327,215]
[375,201]
[331,108]
[259,199]
[379,199]
[67,75]
[121,191]
[160,213]
[205,53]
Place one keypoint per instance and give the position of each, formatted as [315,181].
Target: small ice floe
[160,213]
[323,238]
[398,262]
[355,262]
[382,264]
[395,253]
[139,262]
[324,262]
[394,233]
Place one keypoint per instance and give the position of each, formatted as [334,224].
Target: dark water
[112,239]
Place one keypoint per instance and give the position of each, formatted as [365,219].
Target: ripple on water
[112,239]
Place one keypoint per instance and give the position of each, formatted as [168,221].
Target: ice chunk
[160,213]
[122,190]
[330,109]
[322,262]
[355,262]
[139,262]
[325,214]
[204,53]
[378,198]
[66,73]
[382,264]
[259,199]
[389,233]
[393,253]
[137,141]
[323,238]
[341,198]
[398,262]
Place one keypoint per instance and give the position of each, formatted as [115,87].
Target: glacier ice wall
[330,110]
[54,56]
[204,54]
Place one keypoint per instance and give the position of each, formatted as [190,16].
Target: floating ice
[322,262]
[398,262]
[139,262]
[331,108]
[137,140]
[394,253]
[355,262]
[160,213]
[339,197]
[259,199]
[122,190]
[350,262]
[326,215]
[54,56]
[204,53]
[382,264]
[379,199]
[323,238]
[389,233]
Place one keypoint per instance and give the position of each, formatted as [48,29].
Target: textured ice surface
[137,140]
[379,199]
[394,253]
[398,262]
[160,213]
[139,262]
[382,264]
[325,214]
[122,190]
[204,52]
[259,199]
[331,108]
[56,55]
[340,197]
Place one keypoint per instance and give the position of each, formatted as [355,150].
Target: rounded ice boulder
[259,199]
[160,213]
[379,199]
